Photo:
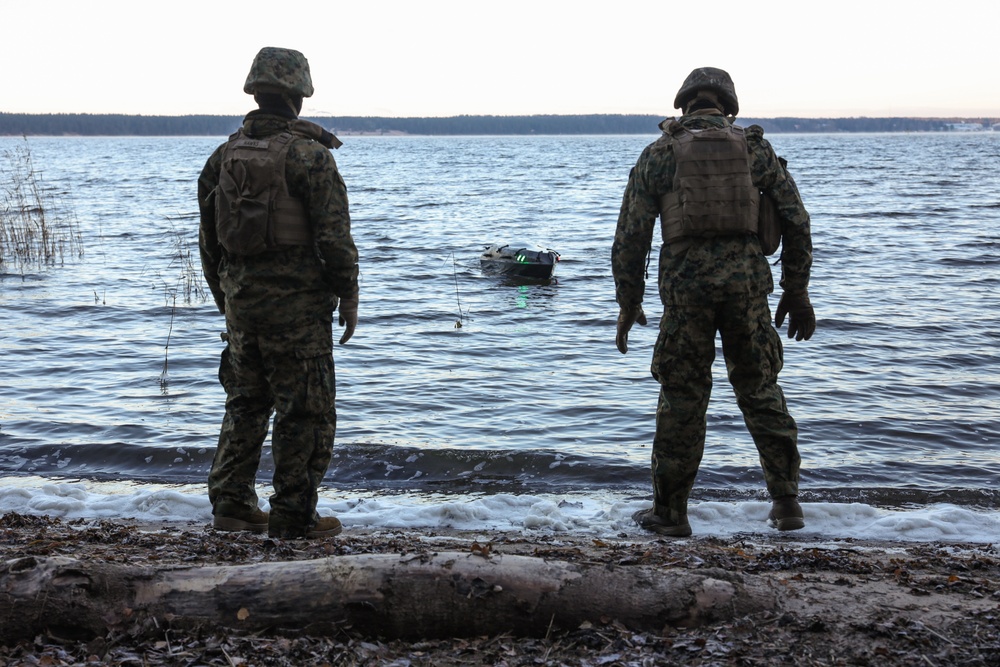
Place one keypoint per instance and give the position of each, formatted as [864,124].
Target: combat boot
[325,526]
[230,518]
[786,514]
[650,520]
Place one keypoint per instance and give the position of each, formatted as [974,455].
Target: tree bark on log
[392,596]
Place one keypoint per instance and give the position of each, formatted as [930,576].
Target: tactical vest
[253,210]
[713,192]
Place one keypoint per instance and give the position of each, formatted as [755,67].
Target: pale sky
[515,57]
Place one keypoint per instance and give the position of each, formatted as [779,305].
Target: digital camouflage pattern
[714,269]
[682,363]
[286,287]
[292,374]
[279,308]
[706,285]
[276,70]
[709,78]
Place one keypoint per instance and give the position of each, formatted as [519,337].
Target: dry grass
[187,283]
[35,232]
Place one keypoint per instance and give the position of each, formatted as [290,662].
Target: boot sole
[313,534]
[788,523]
[671,531]
[230,525]
[680,530]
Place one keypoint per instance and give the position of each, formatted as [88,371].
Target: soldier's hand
[801,316]
[627,316]
[348,317]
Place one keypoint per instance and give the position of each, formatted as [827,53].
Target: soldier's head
[279,74]
[708,86]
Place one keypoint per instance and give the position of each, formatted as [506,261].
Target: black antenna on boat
[461,316]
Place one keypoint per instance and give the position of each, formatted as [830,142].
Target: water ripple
[895,395]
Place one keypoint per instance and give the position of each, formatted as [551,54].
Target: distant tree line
[13,124]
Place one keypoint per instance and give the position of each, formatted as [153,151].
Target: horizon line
[469,115]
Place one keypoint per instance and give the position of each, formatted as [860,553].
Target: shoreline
[842,602]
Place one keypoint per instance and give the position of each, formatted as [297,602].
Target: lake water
[897,395]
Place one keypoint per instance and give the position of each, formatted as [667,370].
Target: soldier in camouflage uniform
[277,252]
[713,277]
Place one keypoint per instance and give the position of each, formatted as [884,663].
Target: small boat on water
[519,260]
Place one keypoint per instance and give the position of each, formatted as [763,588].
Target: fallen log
[392,596]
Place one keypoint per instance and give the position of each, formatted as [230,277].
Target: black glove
[627,316]
[348,317]
[801,317]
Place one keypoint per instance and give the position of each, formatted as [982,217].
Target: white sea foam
[601,514]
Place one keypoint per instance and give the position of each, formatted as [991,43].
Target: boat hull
[519,261]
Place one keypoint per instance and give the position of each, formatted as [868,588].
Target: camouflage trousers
[682,364]
[289,373]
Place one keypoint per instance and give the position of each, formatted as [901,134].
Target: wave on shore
[605,513]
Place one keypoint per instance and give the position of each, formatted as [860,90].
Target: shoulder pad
[310,130]
[755,131]
[670,126]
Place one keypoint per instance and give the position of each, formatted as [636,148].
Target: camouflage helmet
[709,78]
[277,70]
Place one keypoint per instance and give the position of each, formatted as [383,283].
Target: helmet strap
[294,103]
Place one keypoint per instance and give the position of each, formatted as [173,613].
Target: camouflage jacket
[290,285]
[698,269]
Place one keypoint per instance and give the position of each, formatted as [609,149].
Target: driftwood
[423,596]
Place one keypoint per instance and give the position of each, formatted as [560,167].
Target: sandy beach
[841,603]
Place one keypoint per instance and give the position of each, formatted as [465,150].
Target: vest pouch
[768,225]
[712,193]
[242,210]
